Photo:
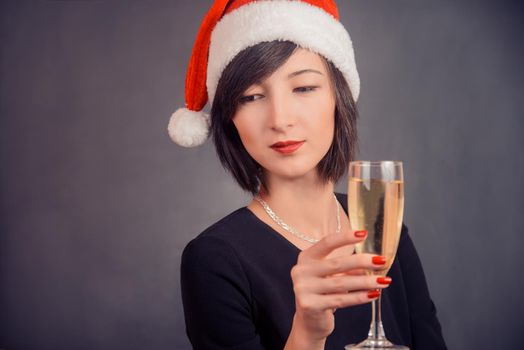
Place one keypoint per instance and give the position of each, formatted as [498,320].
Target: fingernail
[384,280]
[361,233]
[378,260]
[372,294]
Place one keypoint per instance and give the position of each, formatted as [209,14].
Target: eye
[249,98]
[305,89]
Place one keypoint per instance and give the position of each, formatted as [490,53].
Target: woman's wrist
[299,338]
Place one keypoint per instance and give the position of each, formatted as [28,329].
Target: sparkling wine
[377,206]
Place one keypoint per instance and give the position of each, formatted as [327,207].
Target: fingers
[355,264]
[331,242]
[350,299]
[342,284]
[325,283]
[316,303]
[318,294]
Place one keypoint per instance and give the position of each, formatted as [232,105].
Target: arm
[425,327]
[323,282]
[216,297]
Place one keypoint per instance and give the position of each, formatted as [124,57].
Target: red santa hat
[231,26]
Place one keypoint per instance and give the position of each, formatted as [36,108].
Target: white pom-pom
[188,128]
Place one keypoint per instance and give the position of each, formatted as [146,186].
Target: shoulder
[406,246]
[220,240]
[409,260]
[230,228]
[425,327]
[214,252]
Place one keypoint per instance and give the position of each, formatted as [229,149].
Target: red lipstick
[287,147]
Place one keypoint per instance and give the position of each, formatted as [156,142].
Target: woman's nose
[280,113]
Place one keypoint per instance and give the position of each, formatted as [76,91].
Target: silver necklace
[289,228]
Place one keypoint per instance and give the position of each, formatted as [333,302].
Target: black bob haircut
[253,65]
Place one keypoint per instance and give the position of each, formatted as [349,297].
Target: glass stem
[376,331]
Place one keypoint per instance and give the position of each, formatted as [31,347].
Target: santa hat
[232,26]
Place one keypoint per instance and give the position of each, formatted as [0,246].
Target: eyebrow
[294,74]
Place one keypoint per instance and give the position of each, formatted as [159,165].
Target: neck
[308,206]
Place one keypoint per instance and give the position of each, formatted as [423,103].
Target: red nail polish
[361,233]
[384,280]
[378,260]
[372,294]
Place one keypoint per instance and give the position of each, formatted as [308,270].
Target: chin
[293,173]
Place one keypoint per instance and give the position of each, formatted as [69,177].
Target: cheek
[325,122]
[247,130]
[243,130]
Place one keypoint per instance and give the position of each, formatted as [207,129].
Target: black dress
[238,294]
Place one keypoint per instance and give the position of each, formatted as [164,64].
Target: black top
[238,294]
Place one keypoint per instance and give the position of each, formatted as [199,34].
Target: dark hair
[253,65]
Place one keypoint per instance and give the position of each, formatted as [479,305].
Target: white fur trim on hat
[306,25]
[188,128]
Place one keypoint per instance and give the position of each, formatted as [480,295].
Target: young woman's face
[286,122]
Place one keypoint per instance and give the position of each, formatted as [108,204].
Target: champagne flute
[376,204]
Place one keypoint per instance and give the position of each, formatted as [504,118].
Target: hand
[322,283]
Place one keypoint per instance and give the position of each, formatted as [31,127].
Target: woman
[281,272]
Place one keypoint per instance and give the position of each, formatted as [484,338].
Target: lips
[287,147]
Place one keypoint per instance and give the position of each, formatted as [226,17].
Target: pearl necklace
[289,228]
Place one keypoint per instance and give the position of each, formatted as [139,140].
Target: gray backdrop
[97,204]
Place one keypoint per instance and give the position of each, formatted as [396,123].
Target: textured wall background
[97,204]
